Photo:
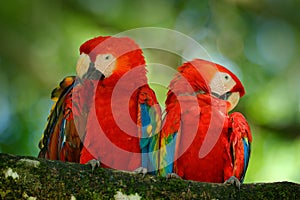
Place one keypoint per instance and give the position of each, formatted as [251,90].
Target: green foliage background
[40,41]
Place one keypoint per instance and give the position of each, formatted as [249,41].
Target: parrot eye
[226,77]
[107,57]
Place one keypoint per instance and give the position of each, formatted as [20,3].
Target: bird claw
[141,170]
[94,163]
[173,175]
[233,181]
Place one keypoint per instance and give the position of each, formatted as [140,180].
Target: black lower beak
[224,96]
[93,73]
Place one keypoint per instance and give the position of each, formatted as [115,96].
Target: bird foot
[233,181]
[141,170]
[94,164]
[173,175]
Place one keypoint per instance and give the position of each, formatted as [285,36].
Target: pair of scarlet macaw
[108,113]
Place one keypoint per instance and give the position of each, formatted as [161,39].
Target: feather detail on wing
[168,136]
[240,143]
[60,140]
[149,121]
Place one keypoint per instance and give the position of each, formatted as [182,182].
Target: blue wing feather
[167,154]
[247,150]
[144,141]
[149,141]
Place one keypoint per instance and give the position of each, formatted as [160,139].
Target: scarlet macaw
[199,140]
[108,112]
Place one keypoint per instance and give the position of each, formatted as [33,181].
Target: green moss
[55,179]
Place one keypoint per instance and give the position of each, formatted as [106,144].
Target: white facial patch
[105,63]
[221,83]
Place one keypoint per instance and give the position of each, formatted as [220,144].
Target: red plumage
[105,109]
[112,137]
[209,142]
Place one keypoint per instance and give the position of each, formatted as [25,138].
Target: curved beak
[82,65]
[93,73]
[233,99]
[85,69]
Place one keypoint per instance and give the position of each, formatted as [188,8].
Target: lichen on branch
[24,177]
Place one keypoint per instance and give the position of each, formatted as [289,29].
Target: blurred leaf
[259,40]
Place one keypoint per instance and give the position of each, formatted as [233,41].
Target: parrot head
[103,56]
[214,79]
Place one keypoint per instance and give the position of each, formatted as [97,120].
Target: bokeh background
[260,38]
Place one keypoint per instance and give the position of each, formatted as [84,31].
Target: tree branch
[25,177]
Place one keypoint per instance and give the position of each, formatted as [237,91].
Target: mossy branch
[24,177]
